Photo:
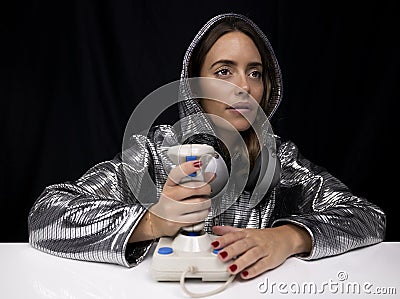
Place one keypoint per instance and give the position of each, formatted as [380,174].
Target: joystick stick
[189,254]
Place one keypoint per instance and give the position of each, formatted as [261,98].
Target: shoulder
[286,148]
[155,138]
[163,134]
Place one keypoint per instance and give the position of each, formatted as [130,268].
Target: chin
[241,127]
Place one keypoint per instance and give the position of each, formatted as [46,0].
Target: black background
[71,73]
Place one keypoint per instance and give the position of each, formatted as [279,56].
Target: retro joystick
[189,254]
[212,163]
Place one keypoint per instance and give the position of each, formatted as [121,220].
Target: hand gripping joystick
[189,254]
[190,152]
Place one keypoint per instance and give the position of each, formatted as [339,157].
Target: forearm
[339,230]
[67,226]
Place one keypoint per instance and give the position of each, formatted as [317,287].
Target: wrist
[142,231]
[161,227]
[146,229]
[150,222]
[299,239]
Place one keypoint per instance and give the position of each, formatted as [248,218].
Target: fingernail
[223,254]
[198,164]
[245,273]
[215,244]
[233,268]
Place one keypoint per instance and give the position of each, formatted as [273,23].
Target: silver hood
[187,108]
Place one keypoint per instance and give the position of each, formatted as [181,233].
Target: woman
[307,213]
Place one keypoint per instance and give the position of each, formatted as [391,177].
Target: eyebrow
[226,61]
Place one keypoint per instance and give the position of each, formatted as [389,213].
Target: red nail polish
[245,273]
[223,254]
[198,164]
[233,268]
[215,244]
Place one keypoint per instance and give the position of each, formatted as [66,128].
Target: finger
[264,264]
[224,229]
[247,259]
[182,170]
[196,200]
[192,218]
[182,192]
[224,240]
[188,190]
[209,176]
[235,248]
[188,206]
[172,210]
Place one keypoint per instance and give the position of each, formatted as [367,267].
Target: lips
[241,106]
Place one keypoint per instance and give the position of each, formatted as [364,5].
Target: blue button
[215,251]
[165,250]
[191,158]
[193,234]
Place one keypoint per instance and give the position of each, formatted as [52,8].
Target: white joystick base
[173,256]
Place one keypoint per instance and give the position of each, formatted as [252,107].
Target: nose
[243,85]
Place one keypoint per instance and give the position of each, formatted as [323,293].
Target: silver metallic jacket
[93,217]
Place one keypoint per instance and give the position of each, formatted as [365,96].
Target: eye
[256,74]
[223,72]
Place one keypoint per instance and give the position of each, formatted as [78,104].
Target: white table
[29,274]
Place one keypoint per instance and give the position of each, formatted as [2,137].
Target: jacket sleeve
[336,219]
[90,219]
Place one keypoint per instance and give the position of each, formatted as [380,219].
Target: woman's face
[234,58]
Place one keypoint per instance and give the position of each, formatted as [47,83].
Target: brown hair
[203,47]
